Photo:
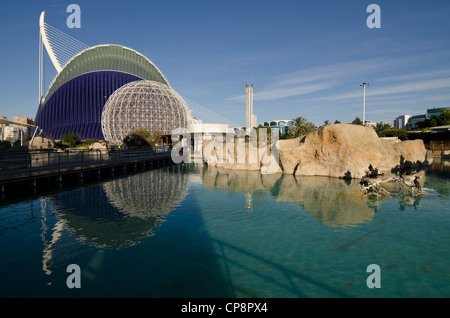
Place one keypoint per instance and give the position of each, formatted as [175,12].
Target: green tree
[337,122]
[301,126]
[154,137]
[69,139]
[268,129]
[357,121]
[441,120]
[142,138]
[400,133]
[382,126]
[326,122]
[444,118]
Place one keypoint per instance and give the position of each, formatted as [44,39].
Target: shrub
[69,139]
[142,138]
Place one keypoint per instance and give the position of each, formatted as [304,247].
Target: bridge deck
[27,169]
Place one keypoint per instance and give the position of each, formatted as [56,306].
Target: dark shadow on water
[291,283]
[116,230]
[148,256]
[439,168]
[141,235]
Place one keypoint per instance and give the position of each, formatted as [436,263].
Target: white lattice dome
[143,104]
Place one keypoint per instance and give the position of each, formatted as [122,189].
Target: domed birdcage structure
[143,104]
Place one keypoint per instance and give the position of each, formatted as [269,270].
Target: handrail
[34,160]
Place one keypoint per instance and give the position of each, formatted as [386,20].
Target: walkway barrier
[39,163]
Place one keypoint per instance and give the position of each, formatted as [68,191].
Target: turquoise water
[195,232]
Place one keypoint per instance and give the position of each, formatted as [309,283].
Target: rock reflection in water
[121,212]
[333,202]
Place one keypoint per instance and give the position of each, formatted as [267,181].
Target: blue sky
[304,58]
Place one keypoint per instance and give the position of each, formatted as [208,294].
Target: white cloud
[411,87]
[283,92]
[333,78]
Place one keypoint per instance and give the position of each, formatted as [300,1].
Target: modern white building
[12,130]
[282,125]
[370,123]
[13,133]
[106,91]
[401,121]
[250,118]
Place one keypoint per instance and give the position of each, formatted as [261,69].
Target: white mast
[364,101]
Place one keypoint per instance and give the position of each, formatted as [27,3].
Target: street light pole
[364,101]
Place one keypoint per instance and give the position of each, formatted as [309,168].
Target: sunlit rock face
[342,150]
[346,150]
[241,155]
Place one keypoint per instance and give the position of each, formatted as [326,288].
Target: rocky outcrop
[98,146]
[342,150]
[242,155]
[39,142]
[346,150]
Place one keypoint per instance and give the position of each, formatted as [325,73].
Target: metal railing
[29,162]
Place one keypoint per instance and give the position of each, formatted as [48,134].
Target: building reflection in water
[115,214]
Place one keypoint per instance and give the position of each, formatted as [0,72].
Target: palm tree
[302,126]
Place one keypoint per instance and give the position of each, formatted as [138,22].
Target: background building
[77,95]
[282,125]
[413,120]
[250,118]
[88,76]
[2,127]
[370,123]
[436,111]
[13,130]
[401,121]
[26,120]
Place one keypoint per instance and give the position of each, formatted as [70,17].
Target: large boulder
[240,154]
[342,150]
[346,150]
[39,142]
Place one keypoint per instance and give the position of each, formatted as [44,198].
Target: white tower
[249,117]
[364,101]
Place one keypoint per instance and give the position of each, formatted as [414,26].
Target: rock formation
[346,150]
[341,150]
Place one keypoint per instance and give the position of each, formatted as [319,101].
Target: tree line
[302,127]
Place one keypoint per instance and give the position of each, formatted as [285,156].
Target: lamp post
[364,102]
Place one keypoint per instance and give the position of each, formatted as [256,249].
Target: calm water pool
[196,232]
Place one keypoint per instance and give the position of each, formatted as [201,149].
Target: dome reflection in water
[119,213]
